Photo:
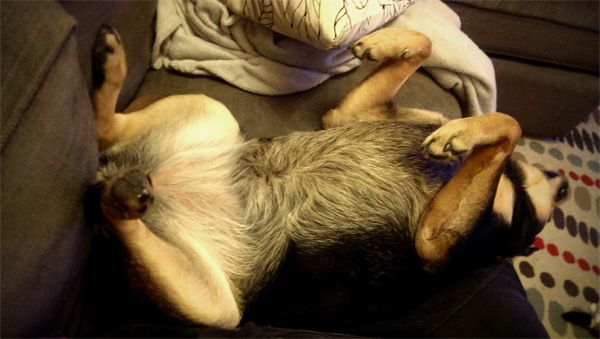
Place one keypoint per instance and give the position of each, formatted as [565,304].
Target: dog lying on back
[207,217]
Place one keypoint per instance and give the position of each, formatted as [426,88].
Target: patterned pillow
[324,24]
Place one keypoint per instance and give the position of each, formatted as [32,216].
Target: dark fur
[377,274]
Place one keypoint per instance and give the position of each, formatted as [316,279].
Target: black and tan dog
[207,217]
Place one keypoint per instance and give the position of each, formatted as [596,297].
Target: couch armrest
[49,157]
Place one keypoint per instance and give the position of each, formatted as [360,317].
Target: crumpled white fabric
[203,38]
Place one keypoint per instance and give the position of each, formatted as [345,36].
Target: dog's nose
[144,196]
[128,196]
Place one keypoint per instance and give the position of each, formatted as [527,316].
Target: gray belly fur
[316,190]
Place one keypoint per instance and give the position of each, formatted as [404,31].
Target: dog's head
[536,193]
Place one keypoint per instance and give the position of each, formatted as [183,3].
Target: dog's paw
[126,197]
[109,64]
[451,140]
[391,43]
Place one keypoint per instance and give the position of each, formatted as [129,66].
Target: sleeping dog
[207,218]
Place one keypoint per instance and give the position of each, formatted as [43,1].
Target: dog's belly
[339,208]
[319,191]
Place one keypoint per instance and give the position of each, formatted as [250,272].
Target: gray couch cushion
[265,116]
[546,101]
[28,49]
[578,14]
[48,159]
[557,32]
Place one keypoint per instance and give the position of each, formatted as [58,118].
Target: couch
[58,271]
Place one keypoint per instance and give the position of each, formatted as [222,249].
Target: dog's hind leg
[110,68]
[183,282]
[109,71]
[187,281]
[453,212]
[402,53]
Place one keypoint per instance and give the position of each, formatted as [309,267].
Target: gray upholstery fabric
[264,116]
[134,22]
[513,35]
[28,49]
[579,14]
[48,161]
[546,101]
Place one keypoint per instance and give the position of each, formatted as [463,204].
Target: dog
[208,218]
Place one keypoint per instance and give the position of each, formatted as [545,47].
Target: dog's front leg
[455,209]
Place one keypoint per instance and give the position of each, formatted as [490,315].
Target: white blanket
[204,38]
[456,63]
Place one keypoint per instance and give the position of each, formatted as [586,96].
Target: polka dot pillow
[564,274]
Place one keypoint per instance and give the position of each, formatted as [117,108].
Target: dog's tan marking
[452,212]
[504,200]
[418,115]
[403,52]
[540,189]
[191,285]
